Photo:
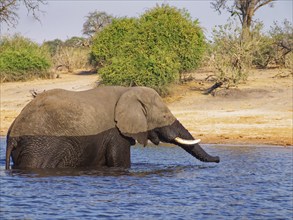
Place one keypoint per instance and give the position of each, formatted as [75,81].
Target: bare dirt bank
[258,112]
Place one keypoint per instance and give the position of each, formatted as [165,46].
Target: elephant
[93,128]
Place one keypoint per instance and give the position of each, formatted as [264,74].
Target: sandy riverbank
[257,112]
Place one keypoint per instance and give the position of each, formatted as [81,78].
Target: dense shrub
[71,58]
[275,47]
[282,37]
[173,30]
[156,71]
[114,41]
[151,50]
[232,57]
[21,59]
[53,46]
[70,55]
[265,52]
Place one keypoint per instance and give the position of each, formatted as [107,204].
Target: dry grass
[262,114]
[71,59]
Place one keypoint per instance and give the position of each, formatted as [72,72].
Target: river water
[163,183]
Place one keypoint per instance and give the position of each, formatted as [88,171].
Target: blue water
[163,183]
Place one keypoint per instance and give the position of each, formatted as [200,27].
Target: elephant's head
[141,114]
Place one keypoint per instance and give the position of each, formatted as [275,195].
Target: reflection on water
[163,183]
[138,169]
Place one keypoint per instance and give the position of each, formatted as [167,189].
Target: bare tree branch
[244,9]
[219,4]
[260,3]
[8,10]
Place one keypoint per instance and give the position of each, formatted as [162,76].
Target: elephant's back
[66,113]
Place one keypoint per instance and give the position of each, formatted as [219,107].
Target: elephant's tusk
[186,142]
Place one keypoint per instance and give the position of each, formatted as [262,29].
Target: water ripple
[163,183]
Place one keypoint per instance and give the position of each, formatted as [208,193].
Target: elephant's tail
[11,144]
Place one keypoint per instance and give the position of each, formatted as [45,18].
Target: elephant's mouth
[172,134]
[155,137]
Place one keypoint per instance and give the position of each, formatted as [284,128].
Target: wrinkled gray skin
[93,128]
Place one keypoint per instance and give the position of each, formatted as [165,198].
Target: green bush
[264,52]
[21,59]
[114,40]
[281,35]
[155,71]
[149,51]
[173,30]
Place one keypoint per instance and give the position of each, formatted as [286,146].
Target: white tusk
[186,142]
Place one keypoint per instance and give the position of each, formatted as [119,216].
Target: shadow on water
[137,170]
[66,172]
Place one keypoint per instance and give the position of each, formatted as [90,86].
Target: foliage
[275,48]
[71,58]
[233,57]
[125,60]
[282,37]
[95,22]
[173,30]
[22,59]
[53,46]
[151,50]
[114,40]
[74,42]
[8,10]
[263,55]
[70,54]
[244,10]
[154,70]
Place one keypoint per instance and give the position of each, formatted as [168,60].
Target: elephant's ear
[130,117]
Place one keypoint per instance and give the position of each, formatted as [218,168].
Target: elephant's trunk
[194,149]
[199,153]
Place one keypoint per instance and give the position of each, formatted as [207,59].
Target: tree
[8,10]
[244,9]
[95,22]
[152,50]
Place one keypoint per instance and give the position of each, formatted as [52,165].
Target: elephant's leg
[118,151]
[22,158]
[28,152]
[45,152]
